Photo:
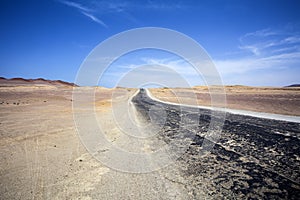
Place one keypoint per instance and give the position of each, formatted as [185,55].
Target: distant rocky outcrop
[22,81]
[293,85]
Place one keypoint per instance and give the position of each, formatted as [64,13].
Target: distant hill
[293,85]
[22,81]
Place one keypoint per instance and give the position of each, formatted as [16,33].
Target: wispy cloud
[76,5]
[278,70]
[159,5]
[123,9]
[273,59]
[85,11]
[263,42]
[95,19]
[159,74]
[292,39]
[128,6]
[275,62]
[178,65]
[255,49]
[161,68]
[248,64]
[260,33]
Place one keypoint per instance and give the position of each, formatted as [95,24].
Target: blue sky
[251,42]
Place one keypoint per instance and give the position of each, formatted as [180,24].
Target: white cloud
[127,6]
[76,5]
[123,8]
[252,48]
[95,19]
[244,65]
[85,11]
[292,39]
[263,42]
[155,74]
[259,33]
[168,69]
[283,68]
[279,70]
[275,61]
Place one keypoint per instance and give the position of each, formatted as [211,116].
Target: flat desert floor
[285,101]
[42,156]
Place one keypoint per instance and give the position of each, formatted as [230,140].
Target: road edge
[288,118]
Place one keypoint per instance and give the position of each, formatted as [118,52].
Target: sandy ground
[284,101]
[42,156]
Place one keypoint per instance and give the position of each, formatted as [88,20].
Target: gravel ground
[254,158]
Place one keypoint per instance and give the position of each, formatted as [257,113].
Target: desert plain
[42,156]
[277,100]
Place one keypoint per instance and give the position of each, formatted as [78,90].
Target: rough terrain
[253,159]
[42,156]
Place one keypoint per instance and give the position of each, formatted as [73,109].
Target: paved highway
[253,158]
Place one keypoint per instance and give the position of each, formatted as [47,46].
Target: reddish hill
[22,81]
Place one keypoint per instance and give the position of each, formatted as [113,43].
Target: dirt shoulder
[284,101]
[41,154]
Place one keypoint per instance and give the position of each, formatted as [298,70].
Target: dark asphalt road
[254,158]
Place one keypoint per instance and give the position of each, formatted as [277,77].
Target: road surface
[253,158]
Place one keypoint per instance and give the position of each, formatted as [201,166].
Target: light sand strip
[288,118]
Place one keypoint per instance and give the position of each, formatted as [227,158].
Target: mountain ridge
[21,81]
